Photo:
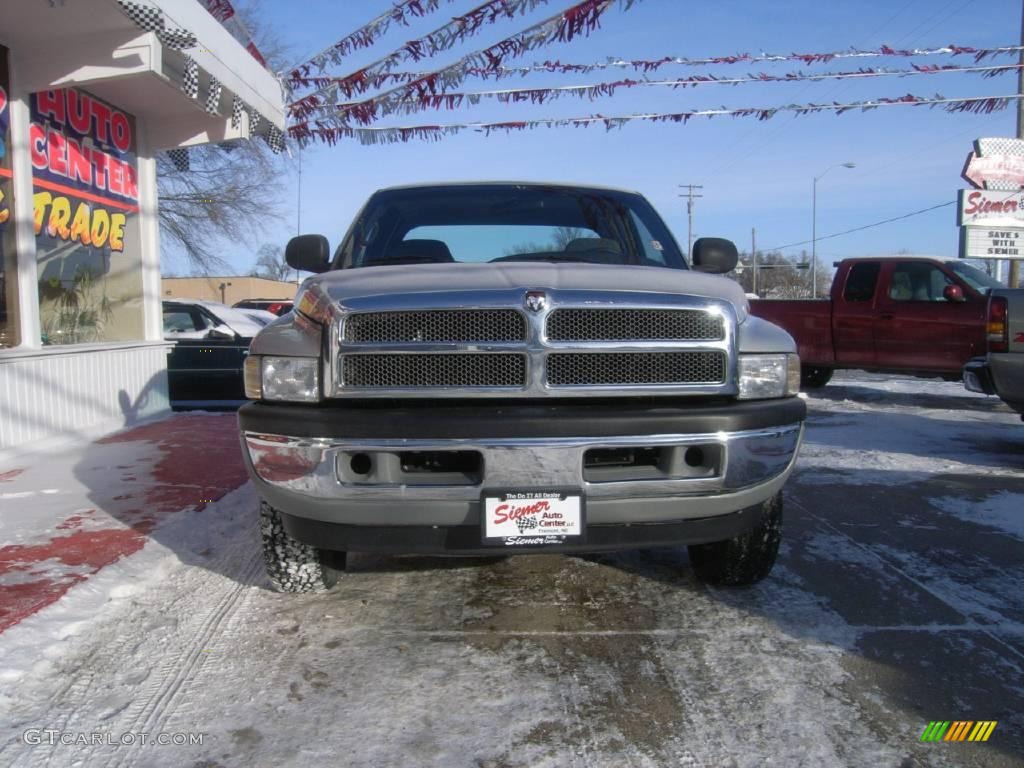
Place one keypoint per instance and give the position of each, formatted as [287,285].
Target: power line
[909,35]
[866,226]
[869,38]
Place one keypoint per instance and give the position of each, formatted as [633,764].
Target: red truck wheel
[813,378]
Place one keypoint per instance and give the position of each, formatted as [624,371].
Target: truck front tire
[745,559]
[812,377]
[291,565]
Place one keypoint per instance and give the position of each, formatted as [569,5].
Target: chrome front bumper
[305,476]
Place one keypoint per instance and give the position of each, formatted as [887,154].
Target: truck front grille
[433,371]
[436,326]
[634,325]
[576,369]
[496,344]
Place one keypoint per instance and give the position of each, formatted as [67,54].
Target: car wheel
[814,378]
[291,565]
[745,559]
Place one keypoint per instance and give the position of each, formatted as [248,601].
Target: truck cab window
[918,281]
[860,285]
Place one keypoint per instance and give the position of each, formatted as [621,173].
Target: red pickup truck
[912,315]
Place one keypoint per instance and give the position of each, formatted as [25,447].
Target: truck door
[853,315]
[918,328]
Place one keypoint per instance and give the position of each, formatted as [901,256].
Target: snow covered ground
[898,599]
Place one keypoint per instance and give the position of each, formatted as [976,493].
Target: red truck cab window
[861,282]
[918,281]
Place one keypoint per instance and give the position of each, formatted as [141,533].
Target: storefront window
[8,265]
[86,202]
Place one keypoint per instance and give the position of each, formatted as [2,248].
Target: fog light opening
[694,456]
[361,464]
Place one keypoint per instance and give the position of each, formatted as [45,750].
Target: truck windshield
[974,277]
[481,223]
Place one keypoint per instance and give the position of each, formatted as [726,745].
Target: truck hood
[347,284]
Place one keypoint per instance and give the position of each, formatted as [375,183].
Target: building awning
[190,80]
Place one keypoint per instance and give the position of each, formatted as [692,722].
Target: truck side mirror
[308,253]
[715,255]
[953,293]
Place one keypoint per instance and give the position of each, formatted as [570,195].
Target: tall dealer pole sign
[991,216]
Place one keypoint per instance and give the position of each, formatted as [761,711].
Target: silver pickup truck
[1001,371]
[501,367]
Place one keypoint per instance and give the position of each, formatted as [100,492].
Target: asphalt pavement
[898,600]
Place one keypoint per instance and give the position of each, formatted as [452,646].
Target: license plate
[532,518]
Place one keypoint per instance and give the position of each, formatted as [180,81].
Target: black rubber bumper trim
[465,539]
[477,420]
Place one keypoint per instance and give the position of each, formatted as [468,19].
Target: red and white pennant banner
[366,35]
[224,12]
[578,20]
[397,134]
[441,39]
[349,87]
[339,115]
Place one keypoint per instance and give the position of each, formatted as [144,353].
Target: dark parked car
[277,306]
[205,367]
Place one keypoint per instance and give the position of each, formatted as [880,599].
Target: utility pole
[690,197]
[1014,280]
[753,254]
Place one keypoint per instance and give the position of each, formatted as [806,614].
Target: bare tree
[270,263]
[780,277]
[229,192]
[565,235]
[560,238]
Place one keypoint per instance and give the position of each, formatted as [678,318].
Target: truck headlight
[766,376]
[289,379]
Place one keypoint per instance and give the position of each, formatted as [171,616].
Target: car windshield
[235,319]
[505,223]
[974,277]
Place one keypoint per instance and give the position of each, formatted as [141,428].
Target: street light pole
[814,225]
[753,254]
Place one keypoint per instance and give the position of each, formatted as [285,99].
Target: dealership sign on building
[983,208]
[991,224]
[991,217]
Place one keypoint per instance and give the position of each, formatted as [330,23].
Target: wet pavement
[897,600]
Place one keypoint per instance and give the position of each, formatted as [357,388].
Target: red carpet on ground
[183,463]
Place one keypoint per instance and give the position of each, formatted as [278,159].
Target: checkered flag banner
[179,157]
[145,17]
[190,78]
[212,103]
[254,120]
[150,19]
[178,39]
[237,107]
[275,140]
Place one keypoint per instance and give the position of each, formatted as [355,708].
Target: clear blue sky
[754,174]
